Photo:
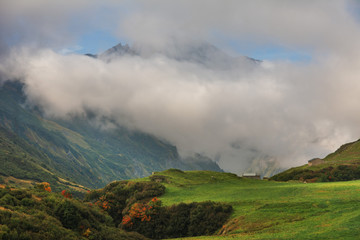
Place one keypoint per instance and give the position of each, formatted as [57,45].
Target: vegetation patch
[328,174]
[182,220]
[341,165]
[40,214]
[118,197]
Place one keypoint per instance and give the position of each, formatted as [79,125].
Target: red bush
[66,194]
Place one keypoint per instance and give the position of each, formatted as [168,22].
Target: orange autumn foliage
[102,203]
[87,232]
[140,211]
[45,186]
[127,220]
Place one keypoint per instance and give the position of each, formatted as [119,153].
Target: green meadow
[268,209]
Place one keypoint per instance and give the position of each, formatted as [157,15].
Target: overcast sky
[301,102]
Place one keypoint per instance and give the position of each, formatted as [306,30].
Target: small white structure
[251,175]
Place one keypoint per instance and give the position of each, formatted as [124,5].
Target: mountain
[116,51]
[342,165]
[75,151]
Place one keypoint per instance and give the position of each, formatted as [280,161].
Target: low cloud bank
[281,110]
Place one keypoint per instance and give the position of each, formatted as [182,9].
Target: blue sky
[276,53]
[96,42]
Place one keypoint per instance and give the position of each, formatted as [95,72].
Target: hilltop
[342,165]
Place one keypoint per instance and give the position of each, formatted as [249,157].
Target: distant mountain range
[201,53]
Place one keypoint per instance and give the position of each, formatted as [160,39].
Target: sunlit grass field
[272,210]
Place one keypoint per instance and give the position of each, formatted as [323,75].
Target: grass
[343,164]
[271,210]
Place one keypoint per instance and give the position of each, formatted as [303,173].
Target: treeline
[329,174]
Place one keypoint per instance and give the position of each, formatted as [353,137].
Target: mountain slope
[342,165]
[76,149]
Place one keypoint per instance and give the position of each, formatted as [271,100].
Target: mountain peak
[202,53]
[116,51]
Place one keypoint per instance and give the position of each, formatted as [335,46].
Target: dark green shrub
[28,202]
[207,217]
[9,200]
[183,220]
[179,220]
[69,214]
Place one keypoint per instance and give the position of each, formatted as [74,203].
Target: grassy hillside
[268,209]
[342,165]
[260,209]
[35,148]
[347,154]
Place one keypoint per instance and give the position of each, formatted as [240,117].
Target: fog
[286,110]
